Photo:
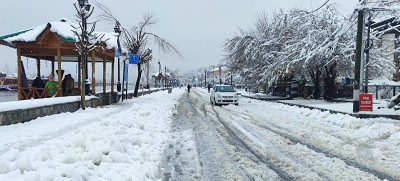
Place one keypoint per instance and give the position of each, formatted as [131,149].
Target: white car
[224,95]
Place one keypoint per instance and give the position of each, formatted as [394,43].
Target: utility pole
[357,71]
[213,76]
[205,78]
[159,72]
[231,79]
[368,46]
[148,74]
[220,80]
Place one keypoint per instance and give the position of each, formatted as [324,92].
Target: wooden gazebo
[56,41]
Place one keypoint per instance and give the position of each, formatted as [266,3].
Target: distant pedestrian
[209,87]
[188,87]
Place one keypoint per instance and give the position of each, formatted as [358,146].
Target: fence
[295,89]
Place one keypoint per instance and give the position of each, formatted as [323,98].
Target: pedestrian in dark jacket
[209,87]
[188,87]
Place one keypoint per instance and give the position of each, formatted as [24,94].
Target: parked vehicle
[224,95]
[5,88]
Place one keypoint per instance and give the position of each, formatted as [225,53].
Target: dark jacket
[70,86]
[38,83]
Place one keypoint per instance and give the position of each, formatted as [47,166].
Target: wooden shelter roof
[43,42]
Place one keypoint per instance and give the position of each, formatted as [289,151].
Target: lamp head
[81,3]
[117,28]
[87,7]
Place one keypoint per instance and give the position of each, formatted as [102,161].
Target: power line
[319,7]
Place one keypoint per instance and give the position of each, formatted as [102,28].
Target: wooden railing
[38,93]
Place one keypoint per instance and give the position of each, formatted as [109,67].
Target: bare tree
[136,40]
[87,41]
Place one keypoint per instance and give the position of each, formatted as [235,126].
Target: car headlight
[219,96]
[236,96]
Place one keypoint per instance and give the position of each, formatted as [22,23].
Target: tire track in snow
[238,143]
[260,158]
[363,168]
[201,121]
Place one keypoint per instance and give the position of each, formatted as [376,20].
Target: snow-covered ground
[181,136]
[119,142]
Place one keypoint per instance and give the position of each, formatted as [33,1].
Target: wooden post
[104,75]
[59,68]
[19,74]
[79,74]
[52,66]
[38,67]
[93,72]
[112,76]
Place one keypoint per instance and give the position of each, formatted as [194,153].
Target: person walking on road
[209,87]
[188,87]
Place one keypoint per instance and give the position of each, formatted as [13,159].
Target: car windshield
[225,89]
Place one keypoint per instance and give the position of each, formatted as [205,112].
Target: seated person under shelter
[51,85]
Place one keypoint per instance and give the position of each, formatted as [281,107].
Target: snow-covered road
[269,141]
[181,136]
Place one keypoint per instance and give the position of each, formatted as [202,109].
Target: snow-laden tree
[292,43]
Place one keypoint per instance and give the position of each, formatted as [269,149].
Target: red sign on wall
[366,102]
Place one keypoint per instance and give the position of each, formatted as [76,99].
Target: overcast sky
[198,28]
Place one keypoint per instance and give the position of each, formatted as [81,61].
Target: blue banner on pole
[133,59]
[126,72]
[117,52]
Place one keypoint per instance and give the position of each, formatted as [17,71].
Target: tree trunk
[83,67]
[329,82]
[135,93]
[315,75]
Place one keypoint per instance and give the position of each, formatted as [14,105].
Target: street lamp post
[165,77]
[159,72]
[85,4]
[117,29]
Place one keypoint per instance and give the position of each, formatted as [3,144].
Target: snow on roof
[155,74]
[383,81]
[110,39]
[27,36]
[64,28]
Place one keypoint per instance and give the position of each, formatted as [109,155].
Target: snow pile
[118,142]
[26,104]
